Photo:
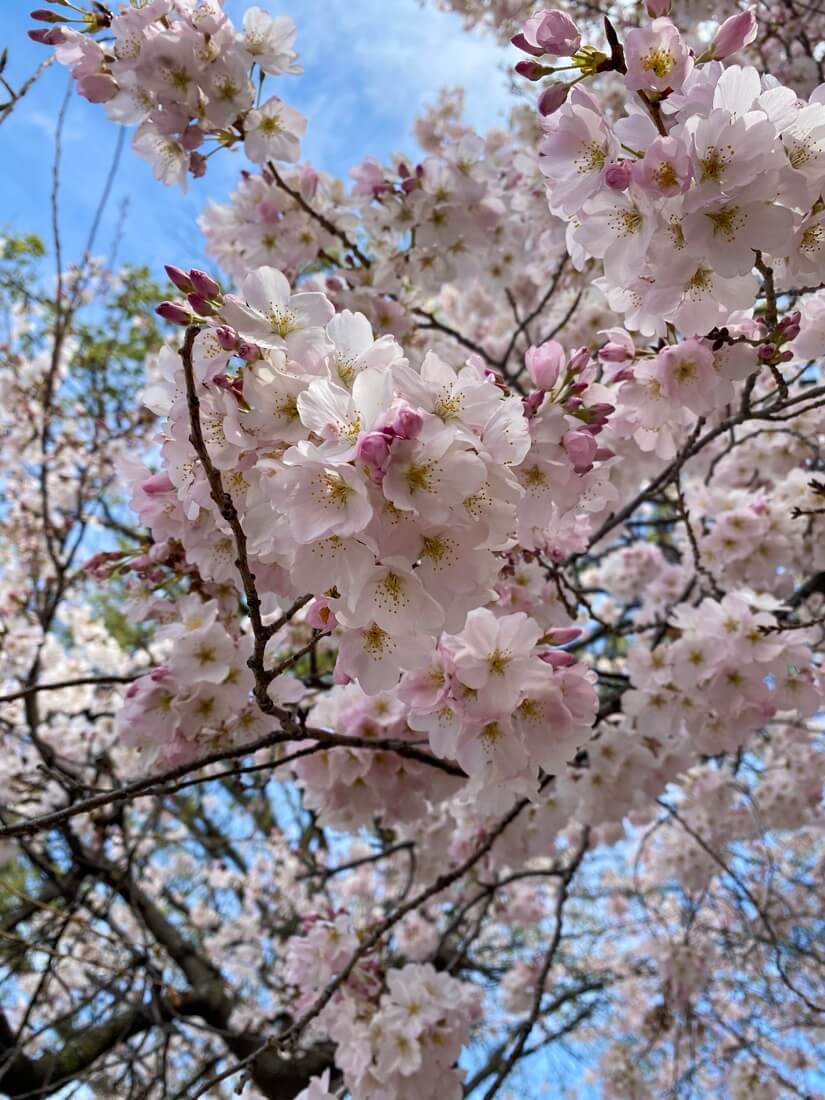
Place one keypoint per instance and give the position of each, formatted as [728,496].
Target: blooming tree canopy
[412,646]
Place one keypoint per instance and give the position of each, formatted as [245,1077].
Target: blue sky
[369,67]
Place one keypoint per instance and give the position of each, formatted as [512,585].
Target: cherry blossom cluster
[181,72]
[388,494]
[666,196]
[729,654]
[469,217]
[200,698]
[398,1033]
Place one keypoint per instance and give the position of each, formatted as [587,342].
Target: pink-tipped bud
[553,32]
[614,353]
[201,305]
[373,450]
[533,402]
[581,449]
[599,413]
[553,96]
[43,15]
[226,337]
[175,313]
[179,278]
[204,284]
[790,332]
[766,352]
[559,658]
[157,483]
[617,176]
[657,8]
[789,319]
[51,36]
[531,69]
[734,34]
[407,423]
[579,360]
[561,635]
[249,352]
[544,364]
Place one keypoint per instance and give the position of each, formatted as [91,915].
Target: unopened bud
[226,337]
[175,313]
[201,305]
[157,483]
[553,97]
[617,176]
[407,423]
[51,36]
[544,363]
[735,33]
[531,69]
[43,15]
[204,283]
[179,278]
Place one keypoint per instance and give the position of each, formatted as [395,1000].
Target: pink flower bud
[599,413]
[544,363]
[201,305]
[373,450]
[43,15]
[226,337]
[790,332]
[204,284]
[531,70]
[579,360]
[581,449]
[157,483]
[614,353]
[407,423]
[175,313]
[553,32]
[51,36]
[617,176]
[766,352]
[179,278]
[553,97]
[559,658]
[533,402]
[735,33]
[657,8]
[561,635]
